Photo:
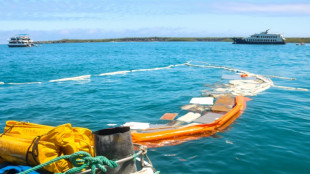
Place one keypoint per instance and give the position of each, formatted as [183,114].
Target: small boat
[173,135]
[301,44]
[21,40]
[261,38]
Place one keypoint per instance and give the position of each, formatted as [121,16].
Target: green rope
[134,156]
[80,160]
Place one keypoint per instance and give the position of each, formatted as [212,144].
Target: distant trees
[162,39]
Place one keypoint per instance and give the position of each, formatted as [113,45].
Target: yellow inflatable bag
[26,130]
[84,140]
[33,144]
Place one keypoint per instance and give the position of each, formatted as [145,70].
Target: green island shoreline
[164,39]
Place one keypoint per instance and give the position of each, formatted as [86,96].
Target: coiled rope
[83,160]
[80,160]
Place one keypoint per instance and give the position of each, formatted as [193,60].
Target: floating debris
[228,142]
[137,125]
[202,100]
[111,124]
[189,117]
[209,117]
[223,104]
[192,157]
[195,108]
[168,116]
[170,155]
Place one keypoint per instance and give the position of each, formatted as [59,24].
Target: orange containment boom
[186,133]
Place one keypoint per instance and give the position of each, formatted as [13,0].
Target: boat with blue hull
[261,38]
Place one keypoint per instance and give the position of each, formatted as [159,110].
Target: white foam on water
[79,78]
[114,73]
[26,83]
[1,83]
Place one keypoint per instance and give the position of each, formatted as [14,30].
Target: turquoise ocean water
[272,135]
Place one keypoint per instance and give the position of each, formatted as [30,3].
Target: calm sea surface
[272,136]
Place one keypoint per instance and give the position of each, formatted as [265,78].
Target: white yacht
[261,38]
[20,40]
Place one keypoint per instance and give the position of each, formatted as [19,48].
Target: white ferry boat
[20,40]
[261,38]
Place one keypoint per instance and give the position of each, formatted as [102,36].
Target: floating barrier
[242,75]
[291,88]
[279,77]
[114,73]
[86,77]
[26,83]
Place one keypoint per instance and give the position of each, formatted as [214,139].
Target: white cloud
[65,32]
[266,8]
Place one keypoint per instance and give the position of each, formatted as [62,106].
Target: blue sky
[94,19]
